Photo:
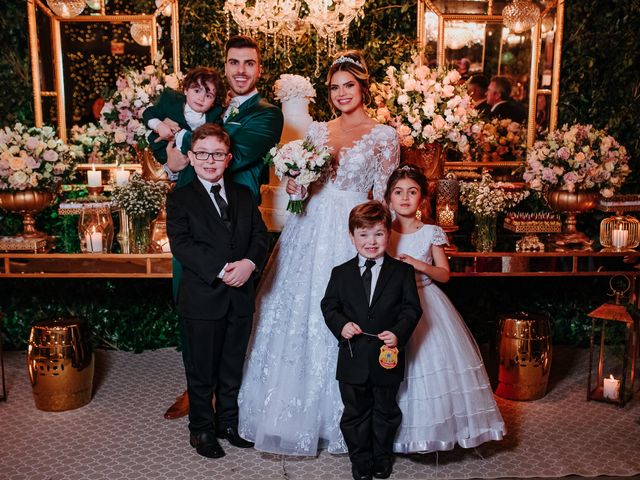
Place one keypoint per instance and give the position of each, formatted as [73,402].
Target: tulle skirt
[289,401]
[446,398]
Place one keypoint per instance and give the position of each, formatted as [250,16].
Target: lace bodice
[418,245]
[365,164]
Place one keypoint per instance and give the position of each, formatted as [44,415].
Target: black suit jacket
[510,109]
[203,245]
[395,306]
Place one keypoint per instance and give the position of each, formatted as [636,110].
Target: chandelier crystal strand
[329,18]
[520,15]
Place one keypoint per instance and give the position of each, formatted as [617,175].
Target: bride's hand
[294,189]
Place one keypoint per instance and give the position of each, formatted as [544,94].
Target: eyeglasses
[217,156]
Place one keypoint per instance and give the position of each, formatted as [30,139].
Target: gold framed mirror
[452,30]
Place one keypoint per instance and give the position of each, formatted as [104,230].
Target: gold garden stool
[60,363]
[524,355]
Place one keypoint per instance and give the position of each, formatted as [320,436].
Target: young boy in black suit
[217,234]
[372,306]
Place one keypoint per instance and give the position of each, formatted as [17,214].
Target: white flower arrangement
[34,158]
[140,197]
[289,87]
[300,160]
[577,158]
[489,198]
[121,116]
[425,106]
[97,145]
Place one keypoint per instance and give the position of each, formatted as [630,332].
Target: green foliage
[599,78]
[125,314]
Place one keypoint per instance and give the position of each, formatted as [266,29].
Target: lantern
[95,228]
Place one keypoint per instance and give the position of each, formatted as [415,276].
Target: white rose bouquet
[34,158]
[425,106]
[577,158]
[301,160]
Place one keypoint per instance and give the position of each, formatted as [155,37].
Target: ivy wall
[599,85]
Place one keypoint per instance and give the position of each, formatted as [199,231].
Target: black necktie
[366,278]
[222,205]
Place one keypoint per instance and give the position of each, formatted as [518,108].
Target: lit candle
[122,177]
[619,237]
[445,217]
[94,241]
[94,177]
[611,388]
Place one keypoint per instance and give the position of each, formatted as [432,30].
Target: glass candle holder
[619,232]
[95,229]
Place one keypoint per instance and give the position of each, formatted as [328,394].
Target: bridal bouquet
[34,158]
[576,158]
[425,106]
[289,87]
[301,160]
[121,116]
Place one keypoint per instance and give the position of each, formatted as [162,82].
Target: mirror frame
[534,89]
[34,7]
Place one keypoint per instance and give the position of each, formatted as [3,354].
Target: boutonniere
[233,111]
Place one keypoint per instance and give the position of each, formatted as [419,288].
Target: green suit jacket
[171,104]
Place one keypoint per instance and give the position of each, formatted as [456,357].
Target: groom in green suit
[254,126]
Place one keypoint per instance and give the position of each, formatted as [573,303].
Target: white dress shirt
[375,271]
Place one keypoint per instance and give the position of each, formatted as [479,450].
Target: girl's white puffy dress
[446,397]
[289,401]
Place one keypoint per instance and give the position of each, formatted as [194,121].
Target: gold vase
[571,204]
[153,170]
[27,203]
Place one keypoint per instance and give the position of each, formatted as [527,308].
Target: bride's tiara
[344,59]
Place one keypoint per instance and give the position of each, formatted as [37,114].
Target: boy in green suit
[176,114]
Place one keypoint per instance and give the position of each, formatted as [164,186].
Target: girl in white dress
[446,398]
[289,401]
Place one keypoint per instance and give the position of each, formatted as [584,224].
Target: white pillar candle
[94,178]
[122,177]
[611,388]
[94,242]
[619,238]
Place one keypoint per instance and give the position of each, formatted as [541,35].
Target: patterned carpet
[121,434]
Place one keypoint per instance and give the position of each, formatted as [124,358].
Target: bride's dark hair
[351,61]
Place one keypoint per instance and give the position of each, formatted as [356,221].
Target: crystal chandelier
[520,15]
[284,21]
[66,8]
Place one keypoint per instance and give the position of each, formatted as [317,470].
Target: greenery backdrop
[599,85]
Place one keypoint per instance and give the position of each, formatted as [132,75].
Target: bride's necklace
[347,130]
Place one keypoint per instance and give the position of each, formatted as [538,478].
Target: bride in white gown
[289,401]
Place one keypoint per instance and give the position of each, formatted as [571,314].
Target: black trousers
[369,422]
[213,362]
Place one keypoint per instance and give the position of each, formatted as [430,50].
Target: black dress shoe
[206,445]
[231,434]
[382,470]
[359,474]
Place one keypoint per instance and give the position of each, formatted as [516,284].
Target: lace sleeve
[387,156]
[439,237]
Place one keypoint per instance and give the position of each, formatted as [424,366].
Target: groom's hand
[237,273]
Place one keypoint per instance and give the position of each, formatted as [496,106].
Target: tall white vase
[274,195]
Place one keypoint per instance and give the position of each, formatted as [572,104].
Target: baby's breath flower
[140,197]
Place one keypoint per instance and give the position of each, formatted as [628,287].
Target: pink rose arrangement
[121,116]
[577,158]
[425,106]
[34,158]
